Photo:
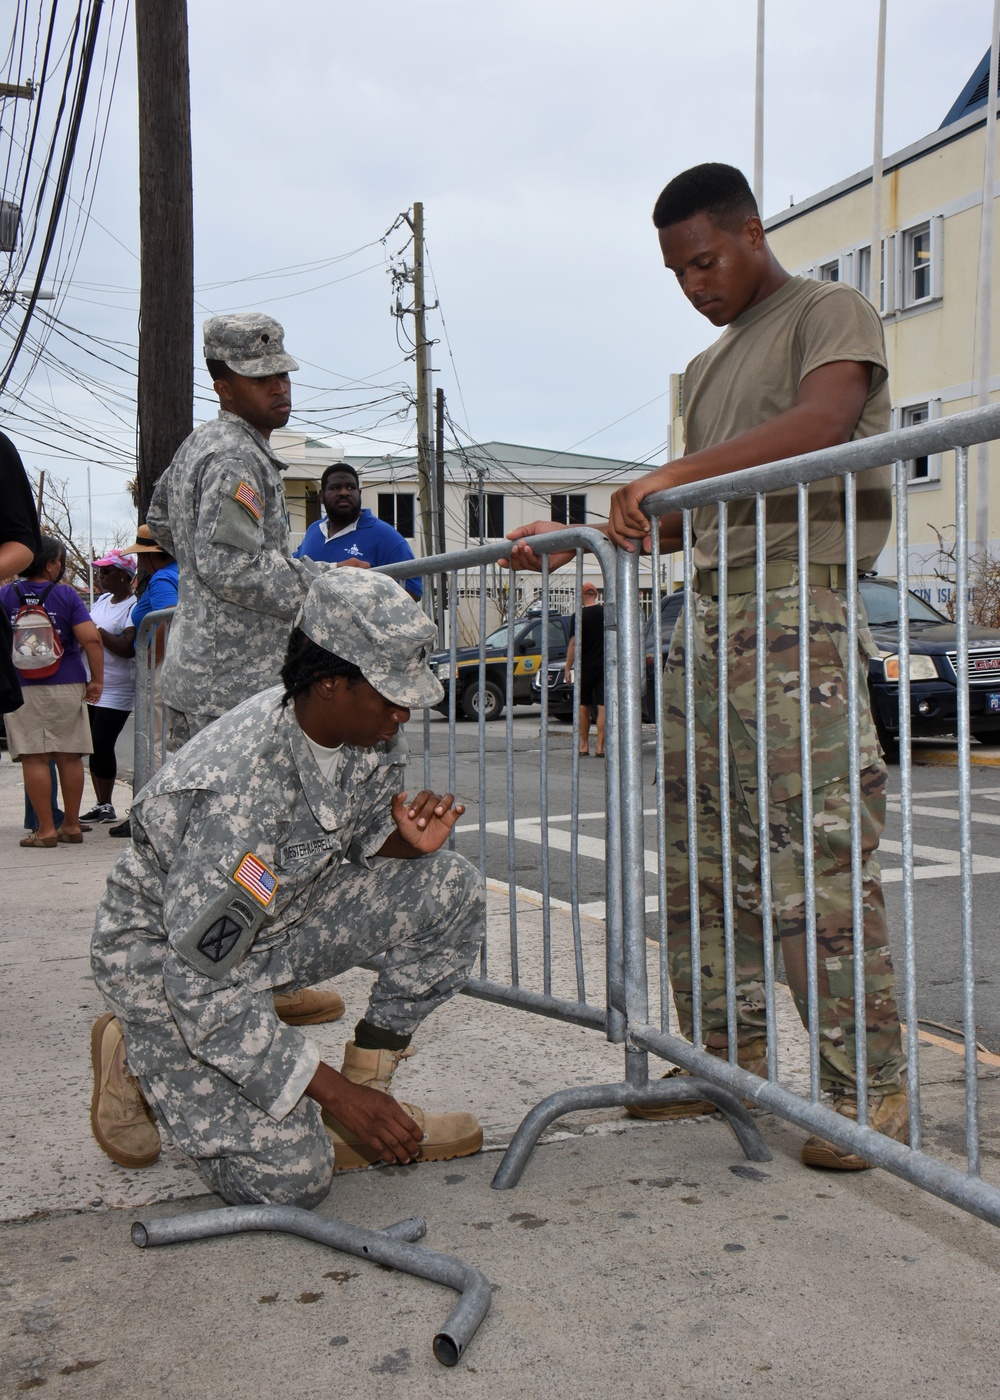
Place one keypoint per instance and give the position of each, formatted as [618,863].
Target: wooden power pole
[166,239]
[426,476]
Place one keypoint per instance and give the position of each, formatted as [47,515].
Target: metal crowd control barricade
[149,716]
[530,968]
[803,1105]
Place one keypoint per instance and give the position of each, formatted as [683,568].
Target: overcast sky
[537,133]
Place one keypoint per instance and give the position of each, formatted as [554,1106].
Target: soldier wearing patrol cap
[276,848]
[219,509]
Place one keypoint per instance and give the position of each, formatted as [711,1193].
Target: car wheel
[493,701]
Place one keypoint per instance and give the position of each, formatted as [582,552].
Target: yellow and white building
[928,298]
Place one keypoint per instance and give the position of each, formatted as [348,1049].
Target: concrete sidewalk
[636,1259]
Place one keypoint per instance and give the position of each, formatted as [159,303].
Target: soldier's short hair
[720,191]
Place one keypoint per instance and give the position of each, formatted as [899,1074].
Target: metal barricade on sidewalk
[533,974]
[150,716]
[743,893]
[531,959]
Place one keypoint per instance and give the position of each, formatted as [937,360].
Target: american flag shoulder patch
[255,877]
[249,500]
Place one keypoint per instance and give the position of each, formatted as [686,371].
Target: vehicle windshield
[882,604]
[498,638]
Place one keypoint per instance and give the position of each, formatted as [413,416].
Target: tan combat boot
[446,1135]
[889,1115]
[752,1057]
[309,1007]
[119,1115]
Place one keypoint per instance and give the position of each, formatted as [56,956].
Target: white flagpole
[985,292]
[875,261]
[758,114]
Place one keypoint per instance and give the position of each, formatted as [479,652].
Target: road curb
[948,758]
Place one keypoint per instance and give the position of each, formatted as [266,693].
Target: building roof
[973,95]
[505,462]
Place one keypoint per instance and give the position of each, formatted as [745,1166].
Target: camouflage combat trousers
[829,832]
[428,917]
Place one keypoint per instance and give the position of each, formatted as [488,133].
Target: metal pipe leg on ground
[391,1246]
[515,1159]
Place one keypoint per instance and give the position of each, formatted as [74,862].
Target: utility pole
[166,239]
[426,483]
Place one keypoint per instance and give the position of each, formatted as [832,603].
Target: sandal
[71,838]
[35,840]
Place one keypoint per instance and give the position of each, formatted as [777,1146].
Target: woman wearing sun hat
[112,614]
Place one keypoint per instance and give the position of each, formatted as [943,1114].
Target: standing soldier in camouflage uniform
[276,847]
[219,509]
[800,366]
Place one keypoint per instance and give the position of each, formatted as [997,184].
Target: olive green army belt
[781,574]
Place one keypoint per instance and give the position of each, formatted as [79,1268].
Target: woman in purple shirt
[52,725]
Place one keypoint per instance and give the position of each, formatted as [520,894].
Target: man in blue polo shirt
[350,533]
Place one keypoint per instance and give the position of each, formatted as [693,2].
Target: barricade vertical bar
[543,809]
[691,772]
[808,836]
[425,727]
[149,713]
[515,974]
[661,813]
[614,787]
[965,806]
[629,732]
[452,694]
[481,729]
[854,776]
[574,833]
[725,801]
[763,788]
[143,722]
[906,800]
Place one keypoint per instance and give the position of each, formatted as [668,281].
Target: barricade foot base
[392,1246]
[523,1143]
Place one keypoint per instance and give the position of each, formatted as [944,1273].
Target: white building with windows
[489,489]
[928,295]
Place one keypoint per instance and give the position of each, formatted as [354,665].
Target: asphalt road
[937,922]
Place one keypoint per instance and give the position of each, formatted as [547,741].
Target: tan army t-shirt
[750,375]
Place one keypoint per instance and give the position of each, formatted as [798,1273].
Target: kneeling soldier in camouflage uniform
[275,849]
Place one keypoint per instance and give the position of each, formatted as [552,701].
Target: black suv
[527,663]
[933,673]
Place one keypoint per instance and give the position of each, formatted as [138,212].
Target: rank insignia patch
[249,500]
[217,942]
[254,876]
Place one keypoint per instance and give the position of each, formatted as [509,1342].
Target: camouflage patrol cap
[372,621]
[249,342]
